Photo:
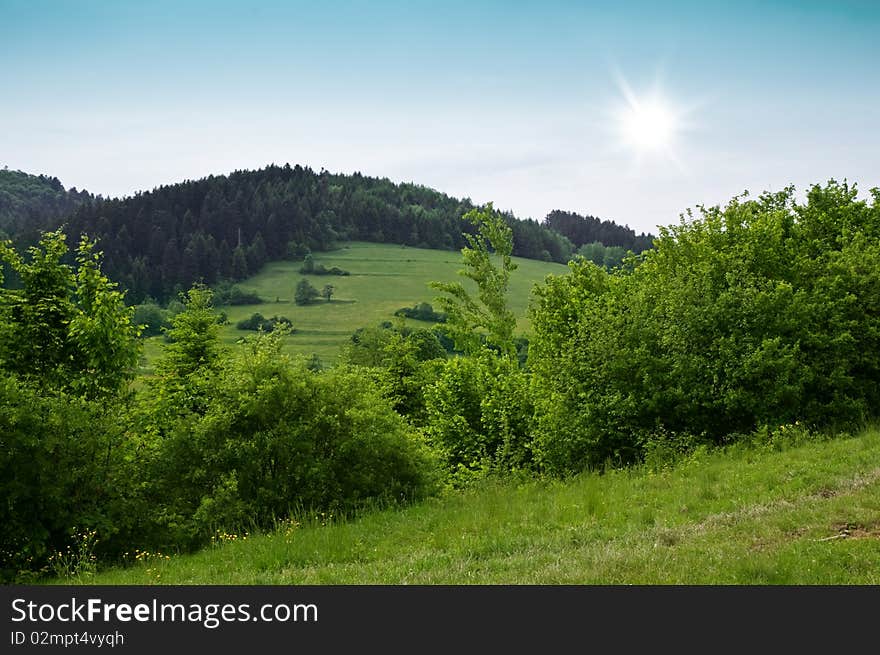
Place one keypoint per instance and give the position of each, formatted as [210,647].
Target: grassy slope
[798,515]
[383,278]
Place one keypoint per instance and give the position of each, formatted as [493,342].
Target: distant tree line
[30,204]
[582,230]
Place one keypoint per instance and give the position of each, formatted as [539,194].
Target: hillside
[383,278]
[29,203]
[777,513]
[159,242]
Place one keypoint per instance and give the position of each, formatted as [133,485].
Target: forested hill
[582,230]
[158,243]
[30,203]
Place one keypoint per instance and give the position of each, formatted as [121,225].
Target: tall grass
[781,513]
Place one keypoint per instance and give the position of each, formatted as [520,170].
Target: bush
[422,312]
[152,317]
[277,436]
[765,312]
[479,414]
[231,294]
[62,472]
[258,322]
[309,267]
[305,293]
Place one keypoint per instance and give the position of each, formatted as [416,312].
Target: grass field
[383,279]
[787,514]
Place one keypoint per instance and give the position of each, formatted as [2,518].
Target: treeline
[30,204]
[226,227]
[582,230]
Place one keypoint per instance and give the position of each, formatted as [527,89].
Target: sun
[648,126]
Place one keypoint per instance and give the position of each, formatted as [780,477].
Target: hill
[383,279]
[158,243]
[775,513]
[30,203]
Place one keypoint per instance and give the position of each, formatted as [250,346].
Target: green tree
[488,263]
[67,327]
[239,264]
[305,293]
[193,357]
[478,410]
[762,312]
[327,291]
[308,266]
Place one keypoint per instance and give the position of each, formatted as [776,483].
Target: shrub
[153,318]
[305,293]
[479,414]
[63,471]
[422,312]
[258,322]
[227,293]
[764,312]
[277,436]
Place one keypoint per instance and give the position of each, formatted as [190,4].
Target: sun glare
[648,126]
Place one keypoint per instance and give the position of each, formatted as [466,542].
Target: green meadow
[383,278]
[788,511]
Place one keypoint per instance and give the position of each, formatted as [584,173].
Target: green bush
[258,322]
[422,312]
[763,312]
[153,318]
[277,436]
[227,293]
[62,472]
[478,416]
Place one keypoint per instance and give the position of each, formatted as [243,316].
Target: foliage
[153,319]
[67,327]
[305,293]
[63,464]
[488,312]
[227,293]
[584,230]
[765,312]
[478,416]
[309,267]
[190,364]
[478,410]
[608,257]
[422,312]
[327,292]
[31,203]
[276,436]
[258,322]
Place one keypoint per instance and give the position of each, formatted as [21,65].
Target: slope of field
[774,514]
[383,278]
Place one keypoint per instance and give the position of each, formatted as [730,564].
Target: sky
[525,104]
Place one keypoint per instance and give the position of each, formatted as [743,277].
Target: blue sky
[514,102]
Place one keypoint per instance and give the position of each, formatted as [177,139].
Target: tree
[478,410]
[239,264]
[327,291]
[67,328]
[488,312]
[308,266]
[305,293]
[761,313]
[194,342]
